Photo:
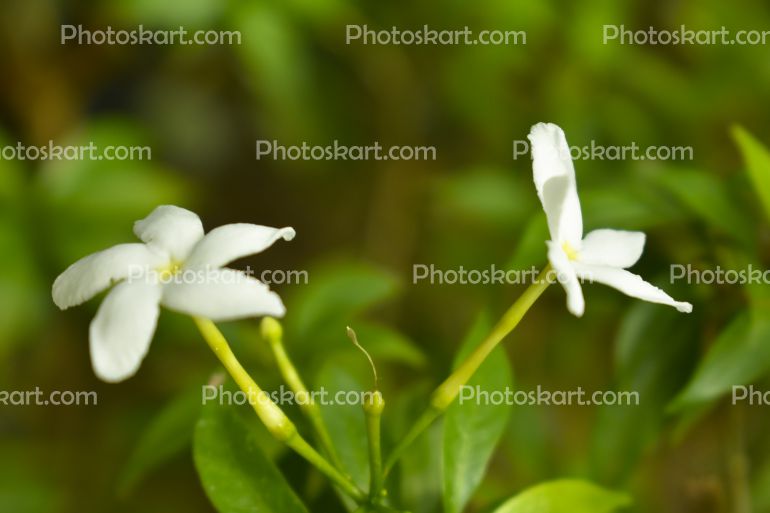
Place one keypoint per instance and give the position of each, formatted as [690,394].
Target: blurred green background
[362,225]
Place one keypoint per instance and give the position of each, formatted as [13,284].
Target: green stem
[446,393]
[274,419]
[373,411]
[273,332]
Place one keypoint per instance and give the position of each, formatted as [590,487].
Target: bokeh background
[362,225]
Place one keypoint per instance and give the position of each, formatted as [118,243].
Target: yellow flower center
[571,252]
[167,272]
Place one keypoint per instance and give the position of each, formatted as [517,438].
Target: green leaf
[236,475]
[473,429]
[346,422]
[565,496]
[740,354]
[709,198]
[414,485]
[169,433]
[757,158]
[336,293]
[654,351]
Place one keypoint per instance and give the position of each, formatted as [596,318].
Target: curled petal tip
[288,233]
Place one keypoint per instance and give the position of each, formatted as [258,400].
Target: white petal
[122,330]
[220,295]
[614,248]
[232,241]
[173,229]
[554,177]
[629,284]
[94,273]
[565,274]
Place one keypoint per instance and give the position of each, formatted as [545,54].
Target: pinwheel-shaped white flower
[603,255]
[177,267]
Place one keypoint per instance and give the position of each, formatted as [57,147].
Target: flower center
[167,272]
[571,252]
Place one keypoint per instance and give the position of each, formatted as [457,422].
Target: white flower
[174,246]
[603,255]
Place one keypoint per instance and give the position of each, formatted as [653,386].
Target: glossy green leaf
[757,159]
[346,421]
[565,496]
[236,475]
[472,429]
[169,433]
[739,355]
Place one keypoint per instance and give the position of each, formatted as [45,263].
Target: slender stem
[373,411]
[273,332]
[279,425]
[446,393]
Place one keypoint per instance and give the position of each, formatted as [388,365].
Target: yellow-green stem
[446,393]
[274,419]
[373,412]
[273,332]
